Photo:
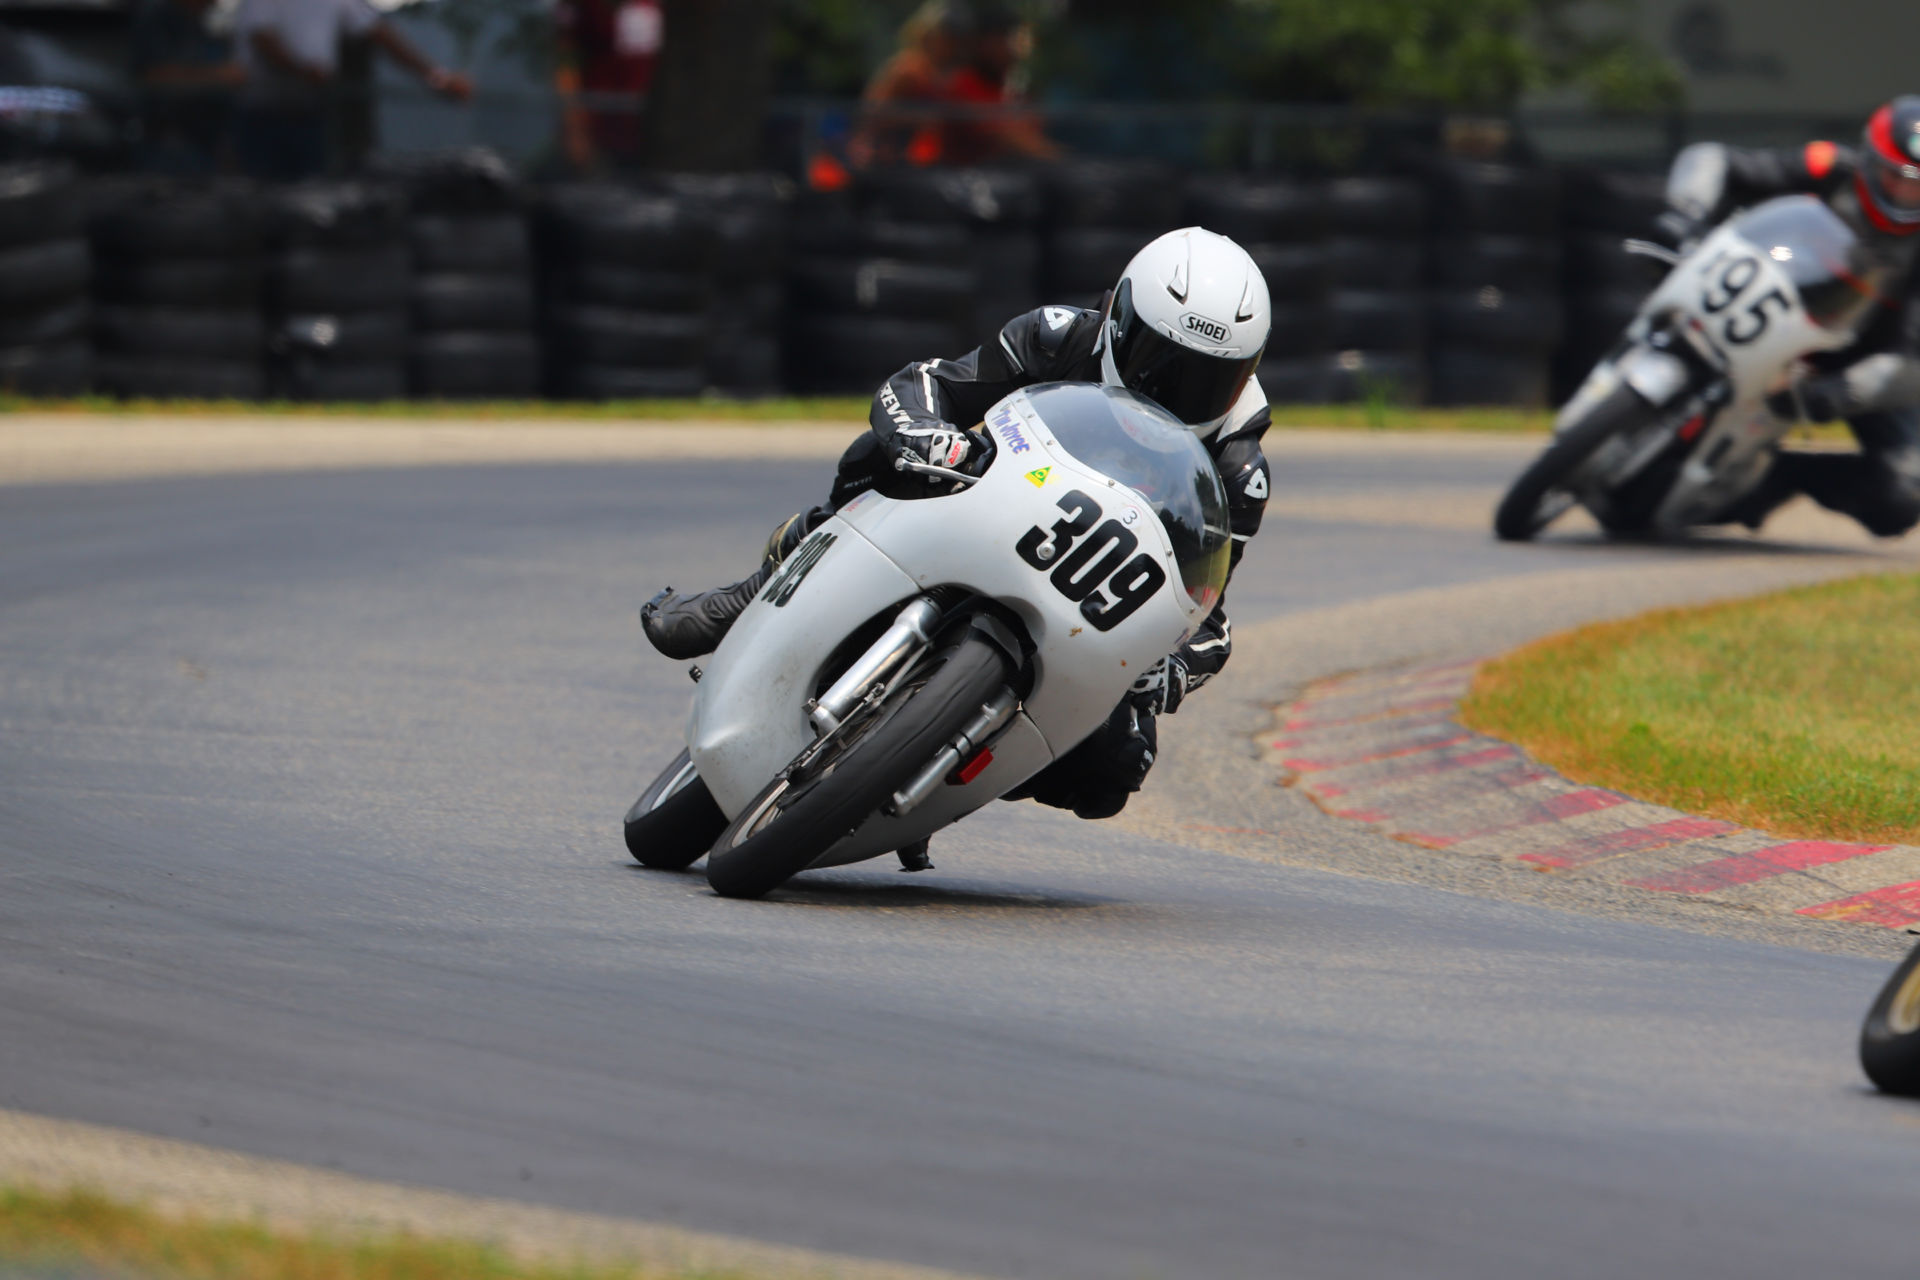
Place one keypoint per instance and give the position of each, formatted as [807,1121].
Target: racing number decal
[1039,546]
[1099,570]
[1721,292]
[1740,334]
[1733,282]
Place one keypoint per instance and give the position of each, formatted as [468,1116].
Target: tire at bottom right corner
[1890,1039]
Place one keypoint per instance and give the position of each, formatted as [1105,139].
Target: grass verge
[1798,713]
[780,409]
[1359,417]
[1365,416]
[87,1232]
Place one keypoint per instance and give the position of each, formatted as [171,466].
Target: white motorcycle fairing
[750,713]
[1739,302]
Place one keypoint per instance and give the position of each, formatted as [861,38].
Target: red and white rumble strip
[1384,748]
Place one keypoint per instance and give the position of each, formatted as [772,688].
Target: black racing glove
[943,445]
[1163,686]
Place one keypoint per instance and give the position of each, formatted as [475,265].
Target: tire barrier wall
[444,276]
[45,268]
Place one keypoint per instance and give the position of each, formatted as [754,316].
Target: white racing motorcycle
[912,661]
[1671,428]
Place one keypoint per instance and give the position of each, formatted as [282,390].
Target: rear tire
[674,820]
[1520,514]
[1890,1040]
[783,829]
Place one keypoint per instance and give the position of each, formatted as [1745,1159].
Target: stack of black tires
[1603,285]
[1001,211]
[878,277]
[1099,215]
[472,306]
[339,289]
[45,264]
[746,307]
[1494,267]
[177,279]
[626,291]
[1282,224]
[1376,310]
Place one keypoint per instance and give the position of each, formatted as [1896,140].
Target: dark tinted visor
[1897,185]
[1191,385]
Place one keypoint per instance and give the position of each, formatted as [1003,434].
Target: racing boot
[684,627]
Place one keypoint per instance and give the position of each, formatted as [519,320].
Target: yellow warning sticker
[1039,477]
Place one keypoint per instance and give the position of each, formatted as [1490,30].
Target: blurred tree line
[1479,55]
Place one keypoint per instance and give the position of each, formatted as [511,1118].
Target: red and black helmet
[1889,178]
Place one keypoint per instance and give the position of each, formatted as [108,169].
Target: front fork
[1669,374]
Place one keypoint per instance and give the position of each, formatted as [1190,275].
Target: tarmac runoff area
[1352,679]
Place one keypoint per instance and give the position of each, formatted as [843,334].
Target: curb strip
[1384,748]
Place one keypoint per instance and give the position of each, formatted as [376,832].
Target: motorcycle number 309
[1728,276]
[1093,562]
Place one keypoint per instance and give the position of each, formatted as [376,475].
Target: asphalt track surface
[309,801]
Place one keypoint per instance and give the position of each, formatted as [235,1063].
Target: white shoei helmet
[1186,326]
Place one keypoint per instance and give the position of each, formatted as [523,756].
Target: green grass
[1359,417]
[89,1232]
[781,409]
[1798,713]
[1372,415]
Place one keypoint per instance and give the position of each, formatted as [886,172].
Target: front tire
[792,822]
[1539,496]
[674,820]
[1890,1040]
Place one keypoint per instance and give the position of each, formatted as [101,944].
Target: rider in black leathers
[915,409]
[1875,383]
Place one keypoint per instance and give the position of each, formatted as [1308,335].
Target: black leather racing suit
[1061,344]
[1873,384]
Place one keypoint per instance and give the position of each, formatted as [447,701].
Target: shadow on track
[827,889]
[1706,543]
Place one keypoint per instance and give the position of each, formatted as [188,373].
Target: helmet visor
[1191,385]
[1895,186]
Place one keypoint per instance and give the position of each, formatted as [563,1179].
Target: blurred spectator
[607,48]
[187,77]
[931,45]
[291,50]
[952,54]
[998,46]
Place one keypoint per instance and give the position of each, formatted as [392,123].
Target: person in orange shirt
[932,44]
[998,46]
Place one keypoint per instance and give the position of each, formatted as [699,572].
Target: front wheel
[1540,496]
[802,814]
[1890,1040]
[674,820]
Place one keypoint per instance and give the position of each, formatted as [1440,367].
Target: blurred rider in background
[1874,385]
[1185,327]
